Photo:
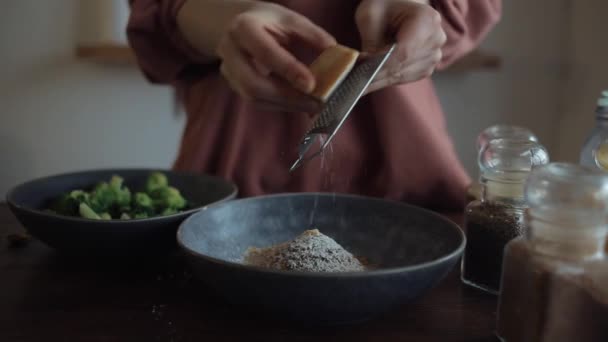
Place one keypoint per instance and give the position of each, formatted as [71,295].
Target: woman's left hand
[416,28]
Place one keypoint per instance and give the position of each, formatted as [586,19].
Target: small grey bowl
[412,249]
[155,235]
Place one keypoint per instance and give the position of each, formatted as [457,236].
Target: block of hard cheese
[330,69]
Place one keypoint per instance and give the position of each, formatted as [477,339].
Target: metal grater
[339,106]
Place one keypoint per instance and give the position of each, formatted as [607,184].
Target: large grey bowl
[413,249]
[155,235]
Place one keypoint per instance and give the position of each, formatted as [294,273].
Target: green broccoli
[169,211]
[105,216]
[168,197]
[156,180]
[142,203]
[101,198]
[87,212]
[68,204]
[123,194]
[140,216]
[110,197]
[79,196]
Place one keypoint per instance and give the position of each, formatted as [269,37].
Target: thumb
[372,26]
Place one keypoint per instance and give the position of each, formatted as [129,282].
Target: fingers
[282,93]
[287,103]
[442,38]
[406,72]
[264,48]
[372,26]
[253,86]
[436,39]
[309,32]
[257,64]
[396,64]
[420,37]
[423,26]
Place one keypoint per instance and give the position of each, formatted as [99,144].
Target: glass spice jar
[555,277]
[501,131]
[497,218]
[594,153]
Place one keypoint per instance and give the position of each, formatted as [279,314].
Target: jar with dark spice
[555,277]
[492,133]
[497,217]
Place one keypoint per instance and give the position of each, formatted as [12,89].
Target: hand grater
[339,106]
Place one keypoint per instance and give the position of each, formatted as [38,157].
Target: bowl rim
[356,274]
[15,189]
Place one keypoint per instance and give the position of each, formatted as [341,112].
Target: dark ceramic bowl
[412,248]
[73,234]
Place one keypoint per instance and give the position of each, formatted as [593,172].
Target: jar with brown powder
[555,277]
[497,218]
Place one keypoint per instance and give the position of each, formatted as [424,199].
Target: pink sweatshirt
[394,145]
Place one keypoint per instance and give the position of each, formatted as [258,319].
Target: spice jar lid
[571,192]
[568,211]
[503,131]
[510,160]
[601,112]
[603,100]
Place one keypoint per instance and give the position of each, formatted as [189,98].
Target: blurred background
[69,105]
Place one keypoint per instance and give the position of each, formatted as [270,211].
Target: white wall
[530,39]
[60,114]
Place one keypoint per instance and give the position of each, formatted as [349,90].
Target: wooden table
[47,297]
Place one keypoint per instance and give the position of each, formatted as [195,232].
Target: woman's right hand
[257,64]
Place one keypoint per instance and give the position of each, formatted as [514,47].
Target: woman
[240,68]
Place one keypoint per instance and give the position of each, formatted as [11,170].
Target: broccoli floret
[105,216]
[169,211]
[168,197]
[142,203]
[101,198]
[140,216]
[109,197]
[80,196]
[68,204]
[112,199]
[123,194]
[156,180]
[87,212]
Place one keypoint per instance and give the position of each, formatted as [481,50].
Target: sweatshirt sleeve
[161,51]
[466,23]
